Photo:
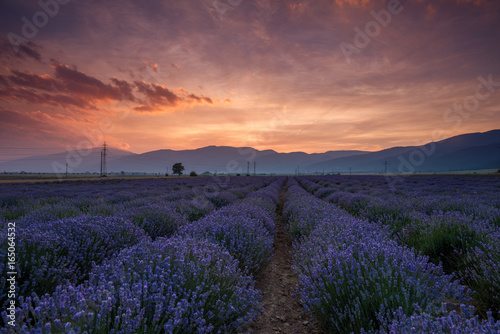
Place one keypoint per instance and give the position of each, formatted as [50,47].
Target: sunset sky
[308,76]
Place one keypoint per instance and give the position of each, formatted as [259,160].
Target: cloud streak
[70,87]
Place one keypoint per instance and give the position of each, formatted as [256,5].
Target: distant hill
[471,151]
[78,162]
[464,152]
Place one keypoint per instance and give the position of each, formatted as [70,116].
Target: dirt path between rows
[282,312]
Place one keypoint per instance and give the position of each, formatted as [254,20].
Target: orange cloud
[159,97]
[152,66]
[69,87]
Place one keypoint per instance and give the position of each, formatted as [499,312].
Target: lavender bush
[482,274]
[53,253]
[157,220]
[244,229]
[194,209]
[453,220]
[173,285]
[353,276]
[447,322]
[360,286]
[245,238]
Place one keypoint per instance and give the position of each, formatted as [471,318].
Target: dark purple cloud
[158,97]
[70,87]
[38,98]
[42,82]
[80,83]
[25,51]
[29,51]
[157,94]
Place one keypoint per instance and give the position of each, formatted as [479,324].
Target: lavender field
[182,255]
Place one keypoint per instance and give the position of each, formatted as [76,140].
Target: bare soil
[282,312]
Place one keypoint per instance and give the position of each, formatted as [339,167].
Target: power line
[104,151]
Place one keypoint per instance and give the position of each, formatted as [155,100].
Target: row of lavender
[454,223]
[475,196]
[53,251]
[191,282]
[42,202]
[354,277]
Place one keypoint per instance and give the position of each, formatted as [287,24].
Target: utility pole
[66,170]
[248,167]
[385,164]
[100,173]
[104,151]
[254,168]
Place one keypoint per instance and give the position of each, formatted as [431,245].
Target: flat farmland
[249,254]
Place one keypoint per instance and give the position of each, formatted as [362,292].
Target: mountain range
[473,151]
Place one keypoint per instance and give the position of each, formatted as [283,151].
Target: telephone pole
[385,164]
[66,170]
[254,167]
[248,167]
[104,151]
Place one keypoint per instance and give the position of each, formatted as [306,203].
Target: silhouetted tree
[177,168]
[193,173]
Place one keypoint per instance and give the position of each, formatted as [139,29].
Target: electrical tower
[104,151]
